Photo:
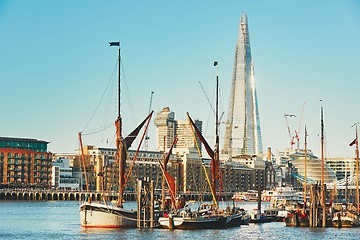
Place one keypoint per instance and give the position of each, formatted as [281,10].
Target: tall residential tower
[168,128]
[243,133]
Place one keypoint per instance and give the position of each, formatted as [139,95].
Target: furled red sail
[166,160]
[171,183]
[130,139]
[169,179]
[202,139]
[124,145]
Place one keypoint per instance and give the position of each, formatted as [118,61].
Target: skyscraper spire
[243,133]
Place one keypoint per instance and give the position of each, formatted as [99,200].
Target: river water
[60,220]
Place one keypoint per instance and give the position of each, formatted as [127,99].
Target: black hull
[245,221]
[218,222]
[234,220]
[295,221]
[263,219]
[213,224]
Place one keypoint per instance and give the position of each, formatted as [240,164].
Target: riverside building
[24,163]
[185,164]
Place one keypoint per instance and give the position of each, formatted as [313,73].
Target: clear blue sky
[55,64]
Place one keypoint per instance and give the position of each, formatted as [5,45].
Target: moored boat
[208,216]
[192,223]
[256,217]
[104,214]
[345,219]
[101,215]
[297,218]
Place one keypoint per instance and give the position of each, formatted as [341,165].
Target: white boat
[285,198]
[101,215]
[239,197]
[106,215]
[345,219]
[250,195]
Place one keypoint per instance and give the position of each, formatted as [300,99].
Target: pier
[56,195]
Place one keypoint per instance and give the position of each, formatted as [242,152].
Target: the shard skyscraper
[243,133]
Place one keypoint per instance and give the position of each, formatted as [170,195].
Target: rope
[101,99]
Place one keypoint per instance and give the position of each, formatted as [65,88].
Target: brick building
[24,163]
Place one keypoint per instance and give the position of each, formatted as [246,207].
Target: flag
[353,142]
[114,44]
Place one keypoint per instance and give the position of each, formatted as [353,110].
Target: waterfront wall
[48,195]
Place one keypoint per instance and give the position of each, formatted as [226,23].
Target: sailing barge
[105,214]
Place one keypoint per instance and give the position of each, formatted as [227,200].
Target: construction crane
[297,132]
[286,115]
[208,99]
[147,131]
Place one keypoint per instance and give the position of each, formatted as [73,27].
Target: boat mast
[83,162]
[322,147]
[119,140]
[216,162]
[357,168]
[305,167]
[323,187]
[120,143]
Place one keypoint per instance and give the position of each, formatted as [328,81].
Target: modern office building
[24,163]
[243,133]
[343,167]
[63,176]
[295,160]
[167,128]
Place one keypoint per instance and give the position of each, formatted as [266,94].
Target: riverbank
[55,195]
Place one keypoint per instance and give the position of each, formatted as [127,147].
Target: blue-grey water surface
[60,220]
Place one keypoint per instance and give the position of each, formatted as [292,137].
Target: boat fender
[88,198]
[171,222]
